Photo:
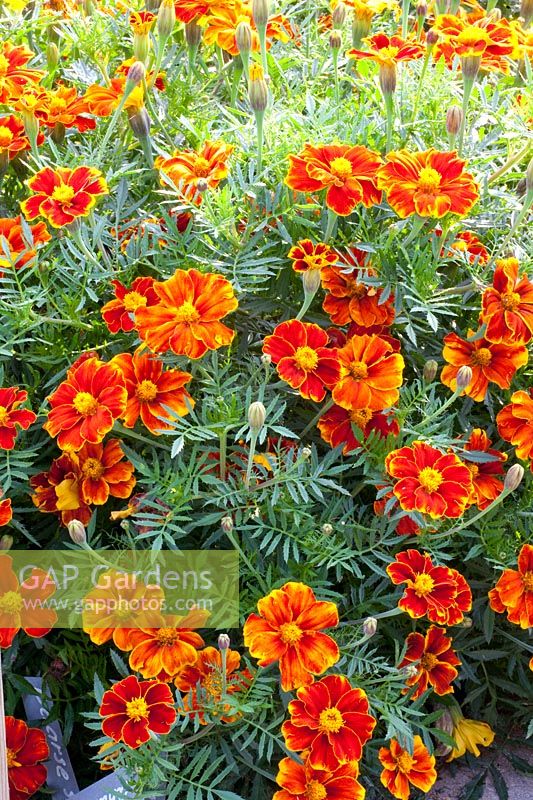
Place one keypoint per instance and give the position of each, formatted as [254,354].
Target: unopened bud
[464,377]
[6,542]
[409,671]
[166,18]
[432,37]
[223,641]
[243,37]
[335,40]
[226,523]
[421,10]
[260,12]
[466,622]
[338,16]
[257,89]
[256,415]
[306,453]
[141,46]
[52,56]
[430,370]
[202,185]
[152,5]
[140,124]
[529,177]
[514,478]
[136,73]
[76,531]
[454,119]
[266,359]
[526,11]
[387,77]
[327,529]
[370,626]
[193,34]
[311,281]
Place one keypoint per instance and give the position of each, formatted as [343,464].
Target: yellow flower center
[4,416]
[166,637]
[341,168]
[315,791]
[423,584]
[137,709]
[358,370]
[388,54]
[361,417]
[306,358]
[430,479]
[146,391]
[202,167]
[429,180]
[11,603]
[429,661]
[28,101]
[63,193]
[133,300]
[290,633]
[6,137]
[330,720]
[11,759]
[314,261]
[355,289]
[405,762]
[85,404]
[481,357]
[528,581]
[471,36]
[474,470]
[56,106]
[187,313]
[510,300]
[93,468]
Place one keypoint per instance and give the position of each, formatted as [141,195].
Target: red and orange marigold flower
[336,426]
[119,314]
[23,605]
[429,481]
[27,748]
[58,491]
[304,782]
[220,25]
[430,184]
[515,423]
[14,74]
[370,374]
[134,709]
[63,195]
[385,49]
[12,417]
[470,36]
[435,662]
[103,472]
[307,256]
[331,719]
[13,139]
[486,485]
[194,171]
[288,629]
[401,769]
[299,349]
[469,245]
[64,108]
[489,362]
[187,317]
[348,173]
[102,101]
[85,406]
[351,299]
[6,512]
[513,592]
[202,683]
[508,304]
[163,652]
[21,247]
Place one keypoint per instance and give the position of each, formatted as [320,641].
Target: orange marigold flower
[222,21]
[21,241]
[164,652]
[288,630]
[439,593]
[85,406]
[388,50]
[304,782]
[58,491]
[332,719]
[103,473]
[23,606]
[348,173]
[430,184]
[27,748]
[435,662]
[194,171]
[12,416]
[103,100]
[66,109]
[485,39]
[306,256]
[14,74]
[351,299]
[508,304]
[13,139]
[513,592]
[371,374]
[119,314]
[189,10]
[515,422]
[187,317]
[202,683]
[431,482]
[469,244]
[336,426]
[133,709]
[490,363]
[486,486]
[303,360]
[64,194]
[6,512]
[401,768]
[152,391]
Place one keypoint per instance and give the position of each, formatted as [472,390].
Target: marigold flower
[307,256]
[164,652]
[13,139]
[387,51]
[103,100]
[430,184]
[513,592]
[133,709]
[331,718]
[151,80]
[152,391]
[289,629]
[119,314]
[64,194]
[508,304]
[222,21]
[485,485]
[485,39]
[103,473]
[187,317]
[21,246]
[299,349]
[435,662]
[350,299]
[12,416]
[468,734]
[141,22]
[514,423]
[304,782]
[27,748]
[187,169]
[23,606]
[489,362]
[6,512]
[58,491]
[336,426]
[85,406]
[370,376]
[14,74]
[189,10]
[65,108]
[469,244]
[431,482]
[401,768]
[348,173]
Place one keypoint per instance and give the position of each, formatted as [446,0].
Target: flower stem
[259,119]
[405,17]
[389,107]
[332,218]
[222,453]
[317,416]
[251,453]
[467,91]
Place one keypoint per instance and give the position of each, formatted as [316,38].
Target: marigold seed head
[430,370]
[327,529]
[226,523]
[454,119]
[335,40]
[370,626]
[464,377]
[513,478]
[77,532]
[193,34]
[256,415]
[260,12]
[136,72]
[166,19]
[243,37]
[6,542]
[339,16]
[224,641]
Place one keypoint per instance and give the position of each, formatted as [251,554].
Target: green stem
[520,218]
[467,91]
[222,453]
[242,554]
[389,106]
[419,89]
[405,17]
[467,523]
[259,119]
[418,224]
[237,74]
[443,407]
[308,299]
[251,454]
[262,30]
[509,163]
[332,218]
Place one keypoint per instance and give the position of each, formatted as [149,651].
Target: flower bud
[243,37]
[360,28]
[513,478]
[141,46]
[76,531]
[338,16]
[266,359]
[430,370]
[193,34]
[311,281]
[166,18]
[223,641]
[526,11]
[256,415]
[327,529]
[454,119]
[370,626]
[409,671]
[152,5]
[257,89]
[202,185]
[306,453]
[422,10]
[432,37]
[52,56]
[466,622]
[226,523]
[464,377]
[140,124]
[6,542]
[260,12]
[136,72]
[335,40]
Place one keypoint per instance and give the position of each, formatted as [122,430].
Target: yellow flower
[16,5]
[468,734]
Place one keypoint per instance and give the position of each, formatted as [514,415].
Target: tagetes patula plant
[468,734]
[192,172]
[20,250]
[20,603]
[403,768]
[304,782]
[507,308]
